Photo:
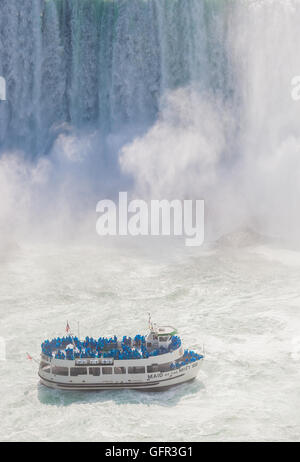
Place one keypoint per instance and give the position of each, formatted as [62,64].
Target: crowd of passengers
[188,357]
[104,348]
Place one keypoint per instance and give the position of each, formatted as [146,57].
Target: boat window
[164,367]
[120,370]
[152,368]
[163,339]
[75,371]
[136,370]
[106,370]
[60,370]
[94,371]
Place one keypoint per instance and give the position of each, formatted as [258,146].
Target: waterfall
[102,62]
[183,97]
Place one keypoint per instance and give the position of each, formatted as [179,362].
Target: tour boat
[153,362]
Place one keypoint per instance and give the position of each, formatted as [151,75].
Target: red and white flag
[29,357]
[68,328]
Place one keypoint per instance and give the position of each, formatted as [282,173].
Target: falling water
[105,63]
[207,82]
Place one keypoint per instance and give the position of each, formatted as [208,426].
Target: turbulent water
[164,99]
[244,305]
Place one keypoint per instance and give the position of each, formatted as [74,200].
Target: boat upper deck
[139,347]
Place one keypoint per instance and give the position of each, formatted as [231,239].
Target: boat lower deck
[150,382]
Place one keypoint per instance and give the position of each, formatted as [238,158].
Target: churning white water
[166,99]
[243,303]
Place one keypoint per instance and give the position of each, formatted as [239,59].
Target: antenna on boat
[78,330]
[150,322]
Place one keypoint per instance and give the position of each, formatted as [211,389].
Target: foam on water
[242,306]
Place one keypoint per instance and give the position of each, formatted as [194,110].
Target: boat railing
[59,349]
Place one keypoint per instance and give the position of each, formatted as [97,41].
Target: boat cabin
[160,337]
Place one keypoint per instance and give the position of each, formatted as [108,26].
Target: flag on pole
[150,322]
[68,327]
[31,358]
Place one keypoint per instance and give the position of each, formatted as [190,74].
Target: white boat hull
[146,382]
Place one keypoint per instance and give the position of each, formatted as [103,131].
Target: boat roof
[165,330]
